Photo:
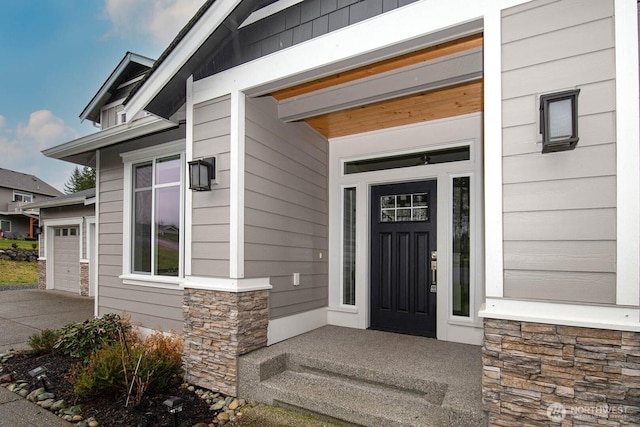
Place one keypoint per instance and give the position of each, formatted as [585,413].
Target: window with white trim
[5,226]
[155,216]
[22,197]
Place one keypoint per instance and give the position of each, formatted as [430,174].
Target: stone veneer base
[219,327]
[84,279]
[42,274]
[541,374]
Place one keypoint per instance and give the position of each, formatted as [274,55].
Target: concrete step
[362,402]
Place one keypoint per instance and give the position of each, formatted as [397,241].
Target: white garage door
[66,259]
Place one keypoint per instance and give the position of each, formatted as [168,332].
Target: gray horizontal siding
[210,209]
[559,208]
[286,208]
[152,307]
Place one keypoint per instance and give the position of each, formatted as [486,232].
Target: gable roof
[163,90]
[130,67]
[84,197]
[25,182]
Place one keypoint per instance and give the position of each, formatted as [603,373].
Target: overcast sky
[55,55]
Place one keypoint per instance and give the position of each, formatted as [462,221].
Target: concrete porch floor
[433,382]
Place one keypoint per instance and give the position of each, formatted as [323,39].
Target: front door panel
[403,238]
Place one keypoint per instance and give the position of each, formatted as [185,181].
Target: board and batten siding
[559,208]
[286,208]
[153,307]
[210,209]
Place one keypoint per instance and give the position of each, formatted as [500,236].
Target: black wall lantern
[201,173]
[559,121]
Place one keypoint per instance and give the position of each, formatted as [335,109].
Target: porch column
[220,326]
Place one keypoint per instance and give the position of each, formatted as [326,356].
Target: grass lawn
[22,244]
[18,272]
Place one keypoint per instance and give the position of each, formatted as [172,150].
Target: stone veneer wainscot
[219,327]
[84,278]
[42,274]
[593,373]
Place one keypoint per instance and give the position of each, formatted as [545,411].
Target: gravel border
[17,287]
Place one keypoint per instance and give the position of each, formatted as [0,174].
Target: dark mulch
[109,410]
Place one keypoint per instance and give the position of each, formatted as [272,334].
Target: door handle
[434,266]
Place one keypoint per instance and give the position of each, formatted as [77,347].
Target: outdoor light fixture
[39,374]
[201,173]
[559,121]
[174,404]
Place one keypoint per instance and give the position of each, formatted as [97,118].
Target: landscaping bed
[89,391]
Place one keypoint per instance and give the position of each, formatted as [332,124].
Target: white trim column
[494,278]
[236,220]
[628,154]
[188,197]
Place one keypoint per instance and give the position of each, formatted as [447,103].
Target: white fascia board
[206,25]
[110,136]
[129,57]
[585,316]
[269,10]
[56,203]
[403,25]
[627,154]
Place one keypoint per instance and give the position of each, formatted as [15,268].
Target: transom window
[156,222]
[404,207]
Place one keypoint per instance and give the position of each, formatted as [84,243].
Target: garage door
[66,259]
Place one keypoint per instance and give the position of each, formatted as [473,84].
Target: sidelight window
[461,255]
[349,247]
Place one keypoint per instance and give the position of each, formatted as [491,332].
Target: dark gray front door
[403,242]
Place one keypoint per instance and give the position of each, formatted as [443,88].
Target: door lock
[434,268]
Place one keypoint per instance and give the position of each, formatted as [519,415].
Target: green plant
[14,245]
[85,338]
[34,245]
[132,364]
[44,341]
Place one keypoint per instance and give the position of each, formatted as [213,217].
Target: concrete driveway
[25,312]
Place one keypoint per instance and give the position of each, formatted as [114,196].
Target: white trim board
[225,284]
[287,327]
[627,154]
[587,316]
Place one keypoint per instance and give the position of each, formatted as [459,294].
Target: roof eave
[56,203]
[103,91]
[113,135]
[210,20]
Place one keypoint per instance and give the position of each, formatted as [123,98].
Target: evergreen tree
[80,180]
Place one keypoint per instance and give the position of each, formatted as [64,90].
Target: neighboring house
[67,242]
[16,190]
[379,164]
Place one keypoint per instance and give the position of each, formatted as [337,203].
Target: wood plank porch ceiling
[435,104]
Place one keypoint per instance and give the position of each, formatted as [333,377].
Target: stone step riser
[360,403]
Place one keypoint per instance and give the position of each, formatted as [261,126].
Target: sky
[55,55]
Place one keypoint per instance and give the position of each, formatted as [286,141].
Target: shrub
[85,338]
[14,245]
[131,364]
[34,245]
[44,341]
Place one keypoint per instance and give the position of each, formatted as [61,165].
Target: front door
[403,257]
